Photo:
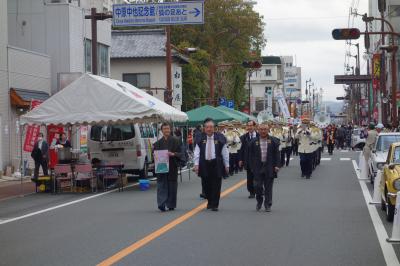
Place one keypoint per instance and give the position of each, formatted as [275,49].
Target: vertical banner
[177,91]
[376,74]
[83,138]
[32,131]
[282,103]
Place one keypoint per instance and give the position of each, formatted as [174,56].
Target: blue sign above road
[222,101]
[168,13]
[231,104]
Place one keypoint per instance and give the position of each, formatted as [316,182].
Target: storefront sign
[177,92]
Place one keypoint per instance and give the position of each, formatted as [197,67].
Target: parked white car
[357,139]
[380,152]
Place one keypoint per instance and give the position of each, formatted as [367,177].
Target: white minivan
[130,144]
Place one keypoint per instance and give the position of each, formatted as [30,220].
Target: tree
[231,31]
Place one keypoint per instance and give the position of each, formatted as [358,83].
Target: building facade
[392,14]
[43,43]
[145,65]
[268,78]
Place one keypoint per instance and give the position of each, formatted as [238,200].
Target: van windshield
[112,133]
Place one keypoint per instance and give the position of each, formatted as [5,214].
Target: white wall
[27,70]
[4,96]
[155,66]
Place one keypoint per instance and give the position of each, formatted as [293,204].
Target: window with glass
[112,133]
[268,72]
[102,58]
[139,80]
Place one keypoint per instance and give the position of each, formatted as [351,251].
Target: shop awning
[23,98]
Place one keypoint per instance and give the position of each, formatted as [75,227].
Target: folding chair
[86,172]
[62,172]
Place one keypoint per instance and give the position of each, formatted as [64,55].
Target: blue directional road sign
[223,102]
[231,104]
[167,13]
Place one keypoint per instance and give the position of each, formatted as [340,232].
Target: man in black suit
[40,155]
[211,162]
[264,161]
[244,158]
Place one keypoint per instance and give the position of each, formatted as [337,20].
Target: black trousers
[263,185]
[233,163]
[331,147]
[295,148]
[306,163]
[166,191]
[44,165]
[285,155]
[250,182]
[212,184]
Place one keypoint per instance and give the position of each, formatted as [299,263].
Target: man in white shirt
[211,160]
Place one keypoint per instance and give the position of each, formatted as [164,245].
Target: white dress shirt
[225,152]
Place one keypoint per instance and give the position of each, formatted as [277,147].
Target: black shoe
[171,209]
[303,175]
[202,196]
[258,207]
[162,209]
[308,176]
[268,209]
[214,209]
[252,196]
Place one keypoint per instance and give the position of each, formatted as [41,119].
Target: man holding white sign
[167,177]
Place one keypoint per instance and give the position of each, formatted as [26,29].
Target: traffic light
[252,64]
[346,34]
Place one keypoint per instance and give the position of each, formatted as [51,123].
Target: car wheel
[389,210]
[144,173]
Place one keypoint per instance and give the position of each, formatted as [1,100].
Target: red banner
[32,131]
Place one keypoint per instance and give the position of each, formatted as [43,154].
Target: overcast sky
[302,28]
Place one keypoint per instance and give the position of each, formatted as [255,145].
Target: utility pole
[94,17]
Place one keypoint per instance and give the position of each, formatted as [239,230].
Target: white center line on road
[387,249]
[326,159]
[61,205]
[345,159]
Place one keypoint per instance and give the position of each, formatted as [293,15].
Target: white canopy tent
[97,100]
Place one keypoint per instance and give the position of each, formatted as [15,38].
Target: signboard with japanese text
[167,13]
[280,98]
[177,85]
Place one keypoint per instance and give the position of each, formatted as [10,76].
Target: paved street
[322,221]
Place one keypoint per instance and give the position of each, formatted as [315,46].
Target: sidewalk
[13,188]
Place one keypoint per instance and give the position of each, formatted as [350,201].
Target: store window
[139,80]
